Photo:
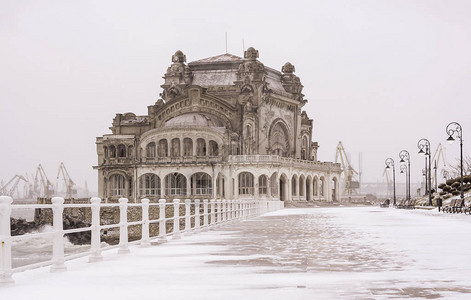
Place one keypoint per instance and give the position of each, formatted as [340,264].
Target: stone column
[5,230]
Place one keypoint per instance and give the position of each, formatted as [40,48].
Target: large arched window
[121,150]
[262,185]
[118,185]
[175,184]
[213,148]
[175,151]
[163,148]
[278,138]
[200,147]
[149,185]
[112,151]
[150,150]
[304,148]
[245,183]
[201,184]
[187,147]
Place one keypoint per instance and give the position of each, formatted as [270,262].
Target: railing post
[205,215]
[224,210]
[5,237]
[219,214]
[145,239]
[162,222]
[58,241]
[197,215]
[213,211]
[187,217]
[176,219]
[233,210]
[123,226]
[95,247]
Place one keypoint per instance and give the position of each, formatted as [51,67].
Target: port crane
[70,190]
[42,186]
[11,186]
[350,175]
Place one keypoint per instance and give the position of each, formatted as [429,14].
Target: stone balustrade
[196,215]
[283,161]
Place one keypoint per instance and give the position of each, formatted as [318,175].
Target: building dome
[195,119]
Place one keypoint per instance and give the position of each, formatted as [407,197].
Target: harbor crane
[350,175]
[70,190]
[42,186]
[11,186]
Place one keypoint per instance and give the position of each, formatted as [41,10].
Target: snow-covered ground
[317,253]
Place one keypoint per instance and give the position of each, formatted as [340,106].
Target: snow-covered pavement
[317,253]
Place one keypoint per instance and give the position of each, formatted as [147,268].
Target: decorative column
[205,215]
[176,219]
[5,233]
[145,239]
[187,217]
[123,226]
[162,221]
[95,254]
[58,242]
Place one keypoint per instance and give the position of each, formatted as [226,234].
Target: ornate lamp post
[404,155]
[390,162]
[424,144]
[403,169]
[452,129]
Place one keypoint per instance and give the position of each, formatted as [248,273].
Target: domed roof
[195,119]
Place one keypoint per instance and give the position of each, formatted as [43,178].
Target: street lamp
[451,129]
[403,169]
[390,162]
[425,144]
[404,155]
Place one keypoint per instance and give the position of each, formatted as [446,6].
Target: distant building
[225,127]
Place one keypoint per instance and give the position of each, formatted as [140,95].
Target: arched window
[201,184]
[150,150]
[112,151]
[213,148]
[314,187]
[118,187]
[105,151]
[121,150]
[262,185]
[163,148]
[301,185]
[334,189]
[200,147]
[294,185]
[245,183]
[149,185]
[278,138]
[187,147]
[304,148]
[175,184]
[321,188]
[130,151]
[175,147]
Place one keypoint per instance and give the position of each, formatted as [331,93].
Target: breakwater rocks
[21,226]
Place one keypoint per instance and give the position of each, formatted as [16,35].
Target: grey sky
[379,75]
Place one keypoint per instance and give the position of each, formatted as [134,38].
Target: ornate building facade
[225,127]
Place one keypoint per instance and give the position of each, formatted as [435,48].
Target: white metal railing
[212,213]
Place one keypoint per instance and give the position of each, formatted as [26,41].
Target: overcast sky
[379,75]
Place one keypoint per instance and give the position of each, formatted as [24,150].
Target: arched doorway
[283,187]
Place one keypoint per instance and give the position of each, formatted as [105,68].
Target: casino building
[225,127]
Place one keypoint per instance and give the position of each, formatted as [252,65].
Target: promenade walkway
[318,253]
